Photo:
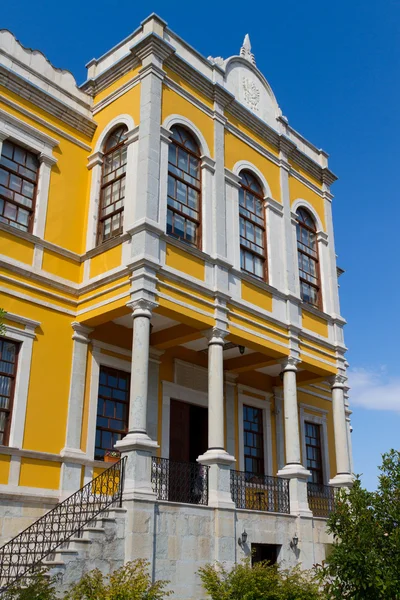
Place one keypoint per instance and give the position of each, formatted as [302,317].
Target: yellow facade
[56,280]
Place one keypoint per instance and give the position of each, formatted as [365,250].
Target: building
[169,274]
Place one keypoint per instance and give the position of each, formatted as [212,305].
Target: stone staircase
[100,544]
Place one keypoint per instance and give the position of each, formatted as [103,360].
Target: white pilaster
[343,477]
[216,456]
[42,194]
[275,243]
[279,430]
[71,471]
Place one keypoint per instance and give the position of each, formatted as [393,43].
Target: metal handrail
[20,555]
[176,481]
[321,499]
[260,492]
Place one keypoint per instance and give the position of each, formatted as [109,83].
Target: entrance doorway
[188,438]
[188,431]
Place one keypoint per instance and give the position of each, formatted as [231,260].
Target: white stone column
[71,472]
[42,194]
[293,469]
[216,456]
[343,477]
[136,444]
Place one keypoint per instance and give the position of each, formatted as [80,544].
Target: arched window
[307,251]
[252,226]
[112,195]
[184,187]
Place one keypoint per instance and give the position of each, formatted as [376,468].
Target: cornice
[152,44]
[111,75]
[25,89]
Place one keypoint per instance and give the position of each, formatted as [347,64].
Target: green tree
[260,582]
[364,563]
[130,582]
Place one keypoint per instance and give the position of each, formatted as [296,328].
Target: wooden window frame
[313,230]
[198,223]
[261,460]
[319,470]
[9,411]
[111,370]
[244,248]
[10,172]
[104,186]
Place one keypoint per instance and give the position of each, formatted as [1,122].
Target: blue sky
[334,68]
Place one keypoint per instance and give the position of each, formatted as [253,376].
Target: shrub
[130,582]
[38,586]
[260,582]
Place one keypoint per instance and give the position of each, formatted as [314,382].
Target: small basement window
[265,552]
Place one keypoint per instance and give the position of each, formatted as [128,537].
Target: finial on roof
[245,50]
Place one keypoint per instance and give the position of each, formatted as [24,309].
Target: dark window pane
[112,410]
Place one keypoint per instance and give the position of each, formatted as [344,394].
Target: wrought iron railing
[321,499]
[22,554]
[180,481]
[260,492]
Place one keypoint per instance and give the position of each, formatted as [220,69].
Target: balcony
[321,499]
[179,481]
[260,492]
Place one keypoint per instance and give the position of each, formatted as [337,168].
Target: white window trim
[26,337]
[100,360]
[318,420]
[207,169]
[95,164]
[176,392]
[38,142]
[265,406]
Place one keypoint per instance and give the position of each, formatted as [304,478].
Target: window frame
[260,459]
[125,402]
[319,419]
[242,247]
[264,402]
[199,222]
[10,410]
[103,186]
[32,211]
[320,470]
[316,259]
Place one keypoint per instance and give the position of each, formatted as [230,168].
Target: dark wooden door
[179,431]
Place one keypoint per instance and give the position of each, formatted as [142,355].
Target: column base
[340,480]
[298,497]
[219,480]
[139,449]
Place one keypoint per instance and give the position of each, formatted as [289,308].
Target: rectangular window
[19,171]
[253,438]
[314,452]
[8,371]
[112,409]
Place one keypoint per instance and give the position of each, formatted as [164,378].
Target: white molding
[176,392]
[242,165]
[20,130]
[122,119]
[25,337]
[301,203]
[176,119]
[322,421]
[265,406]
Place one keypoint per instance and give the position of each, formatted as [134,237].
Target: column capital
[215,335]
[81,332]
[46,159]
[141,308]
[338,381]
[290,363]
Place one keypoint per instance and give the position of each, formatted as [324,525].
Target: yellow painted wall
[315,323]
[185,262]
[106,261]
[253,294]
[189,88]
[173,103]
[4,468]
[297,190]
[116,85]
[62,266]
[305,174]
[236,150]
[40,473]
[274,150]
[16,248]
[127,104]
